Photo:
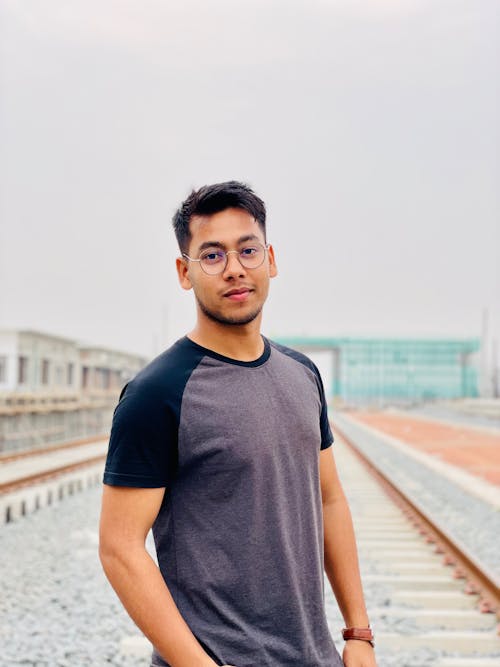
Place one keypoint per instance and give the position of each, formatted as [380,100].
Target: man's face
[235,296]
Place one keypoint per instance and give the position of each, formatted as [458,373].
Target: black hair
[211,199]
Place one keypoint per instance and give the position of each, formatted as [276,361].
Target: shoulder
[167,372]
[143,442]
[295,356]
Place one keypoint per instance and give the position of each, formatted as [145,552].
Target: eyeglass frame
[226,253]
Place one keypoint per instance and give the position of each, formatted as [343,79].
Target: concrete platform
[434,583]
[407,555]
[29,499]
[465,642]
[10,471]
[454,599]
[451,619]
[415,567]
[467,662]
[467,456]
[386,536]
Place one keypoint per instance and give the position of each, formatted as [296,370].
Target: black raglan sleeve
[143,442]
[326,431]
[143,446]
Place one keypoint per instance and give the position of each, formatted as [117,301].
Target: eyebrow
[218,244]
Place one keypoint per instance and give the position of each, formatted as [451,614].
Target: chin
[236,320]
[239,319]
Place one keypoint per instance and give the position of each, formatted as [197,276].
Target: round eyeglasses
[214,260]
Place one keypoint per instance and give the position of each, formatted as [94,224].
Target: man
[222,446]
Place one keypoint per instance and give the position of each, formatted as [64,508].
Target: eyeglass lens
[215,260]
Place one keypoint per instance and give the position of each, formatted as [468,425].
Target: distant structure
[54,389]
[381,370]
[35,362]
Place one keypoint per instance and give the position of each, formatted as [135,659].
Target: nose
[233,265]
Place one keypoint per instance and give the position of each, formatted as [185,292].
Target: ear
[182,266]
[273,269]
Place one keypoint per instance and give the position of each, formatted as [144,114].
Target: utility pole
[495,369]
[484,381]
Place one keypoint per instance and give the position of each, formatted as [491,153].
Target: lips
[238,294]
[241,290]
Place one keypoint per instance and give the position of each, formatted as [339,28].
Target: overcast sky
[370,128]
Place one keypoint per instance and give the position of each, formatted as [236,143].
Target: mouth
[239,294]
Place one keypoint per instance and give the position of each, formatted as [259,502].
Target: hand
[358,653]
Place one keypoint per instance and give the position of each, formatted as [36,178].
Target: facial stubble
[229,321]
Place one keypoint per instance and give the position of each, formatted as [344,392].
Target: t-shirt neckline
[236,362]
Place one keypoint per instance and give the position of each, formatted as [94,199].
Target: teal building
[375,369]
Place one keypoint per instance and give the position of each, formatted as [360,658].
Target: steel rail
[478,580]
[29,480]
[8,457]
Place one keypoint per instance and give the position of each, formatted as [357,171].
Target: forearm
[144,594]
[341,562]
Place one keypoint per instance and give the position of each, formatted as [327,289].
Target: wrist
[364,634]
[359,619]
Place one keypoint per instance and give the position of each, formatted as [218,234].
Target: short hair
[211,199]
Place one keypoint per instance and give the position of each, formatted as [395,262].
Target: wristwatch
[364,634]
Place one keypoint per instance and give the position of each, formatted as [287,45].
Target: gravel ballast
[58,610]
[468,519]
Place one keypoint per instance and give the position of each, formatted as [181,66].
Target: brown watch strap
[364,634]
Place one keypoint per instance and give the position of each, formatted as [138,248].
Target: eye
[249,251]
[212,256]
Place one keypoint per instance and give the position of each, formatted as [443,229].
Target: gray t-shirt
[239,535]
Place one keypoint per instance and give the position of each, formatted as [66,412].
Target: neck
[241,342]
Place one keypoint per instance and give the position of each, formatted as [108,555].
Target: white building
[53,389]
[31,361]
[103,369]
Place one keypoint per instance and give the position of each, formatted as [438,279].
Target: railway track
[433,601]
[31,480]
[37,478]
[8,457]
[430,601]
[466,567]
[29,468]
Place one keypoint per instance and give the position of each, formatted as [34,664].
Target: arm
[341,561]
[126,517]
